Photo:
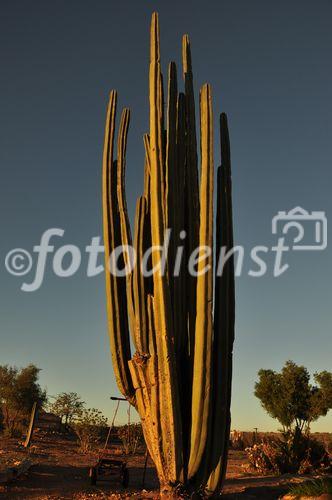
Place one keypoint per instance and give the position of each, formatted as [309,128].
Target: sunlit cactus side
[181,326]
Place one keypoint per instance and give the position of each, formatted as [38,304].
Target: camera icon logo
[296,219]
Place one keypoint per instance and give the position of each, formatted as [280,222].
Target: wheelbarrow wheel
[125,478]
[93,476]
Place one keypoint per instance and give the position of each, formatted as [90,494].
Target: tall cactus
[179,378]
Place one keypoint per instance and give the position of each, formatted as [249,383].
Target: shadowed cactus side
[181,327]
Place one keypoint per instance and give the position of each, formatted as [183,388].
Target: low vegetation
[312,488]
[89,427]
[289,454]
[131,436]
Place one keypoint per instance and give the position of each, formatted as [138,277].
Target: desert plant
[262,457]
[293,452]
[131,436]
[291,399]
[19,390]
[179,378]
[89,427]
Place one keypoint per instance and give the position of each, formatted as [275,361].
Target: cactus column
[182,330]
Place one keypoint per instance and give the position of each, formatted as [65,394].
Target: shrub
[261,457]
[294,452]
[89,427]
[131,437]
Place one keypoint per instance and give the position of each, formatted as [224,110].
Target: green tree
[290,398]
[19,390]
[67,406]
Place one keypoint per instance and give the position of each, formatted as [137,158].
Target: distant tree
[19,390]
[290,398]
[88,427]
[67,406]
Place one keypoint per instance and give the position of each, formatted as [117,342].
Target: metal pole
[112,424]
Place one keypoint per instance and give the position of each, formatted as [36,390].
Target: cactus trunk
[179,378]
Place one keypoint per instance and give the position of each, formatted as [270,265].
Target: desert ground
[60,471]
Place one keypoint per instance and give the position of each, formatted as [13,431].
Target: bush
[89,427]
[293,453]
[131,437]
[264,457]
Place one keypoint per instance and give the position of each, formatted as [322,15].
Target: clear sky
[269,64]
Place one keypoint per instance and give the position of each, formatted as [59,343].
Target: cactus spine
[179,378]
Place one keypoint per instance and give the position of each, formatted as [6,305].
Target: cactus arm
[121,178]
[171,208]
[177,283]
[181,290]
[147,167]
[224,317]
[140,305]
[170,148]
[168,390]
[181,339]
[203,333]
[123,212]
[191,185]
[229,285]
[115,291]
[156,137]
[156,100]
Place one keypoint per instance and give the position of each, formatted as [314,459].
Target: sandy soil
[61,472]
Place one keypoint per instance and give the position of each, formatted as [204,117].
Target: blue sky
[269,67]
